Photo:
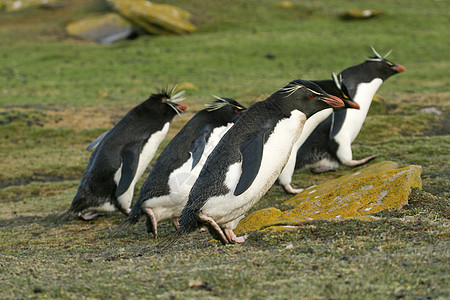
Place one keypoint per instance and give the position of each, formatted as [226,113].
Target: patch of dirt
[35,178]
[441,128]
[77,118]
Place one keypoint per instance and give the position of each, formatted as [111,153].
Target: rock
[375,188]
[16,5]
[161,19]
[431,110]
[285,4]
[258,219]
[185,86]
[106,28]
[361,14]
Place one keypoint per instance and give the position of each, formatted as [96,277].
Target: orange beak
[352,104]
[333,101]
[399,68]
[181,107]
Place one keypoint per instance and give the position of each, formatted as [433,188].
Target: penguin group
[227,156]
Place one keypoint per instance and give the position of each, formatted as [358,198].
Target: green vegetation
[58,93]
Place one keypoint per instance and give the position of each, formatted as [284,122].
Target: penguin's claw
[290,190]
[232,238]
[90,215]
[176,223]
[354,163]
[322,170]
[151,223]
[214,228]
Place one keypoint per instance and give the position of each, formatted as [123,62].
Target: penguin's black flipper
[97,141]
[198,146]
[338,118]
[252,152]
[130,161]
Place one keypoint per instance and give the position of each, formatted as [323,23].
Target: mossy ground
[57,94]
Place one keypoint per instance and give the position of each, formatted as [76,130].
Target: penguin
[323,147]
[166,189]
[333,87]
[248,159]
[122,154]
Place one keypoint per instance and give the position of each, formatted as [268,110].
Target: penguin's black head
[382,66]
[167,101]
[343,93]
[308,97]
[224,103]
[373,68]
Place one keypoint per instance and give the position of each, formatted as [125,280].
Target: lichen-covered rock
[358,14]
[285,4]
[161,19]
[258,219]
[186,86]
[330,186]
[106,28]
[378,187]
[15,5]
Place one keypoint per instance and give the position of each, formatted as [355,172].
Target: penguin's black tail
[135,214]
[188,223]
[64,216]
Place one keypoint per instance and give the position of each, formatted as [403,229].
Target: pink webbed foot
[175,223]
[90,215]
[232,238]
[290,190]
[354,163]
[151,223]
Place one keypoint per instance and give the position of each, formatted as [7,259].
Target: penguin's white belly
[163,208]
[181,181]
[227,208]
[354,118]
[147,153]
[310,124]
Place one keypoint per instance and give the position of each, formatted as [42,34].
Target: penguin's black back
[320,144]
[177,152]
[261,115]
[134,128]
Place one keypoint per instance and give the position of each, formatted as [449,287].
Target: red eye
[237,111]
[311,96]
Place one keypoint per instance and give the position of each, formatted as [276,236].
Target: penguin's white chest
[354,118]
[227,208]
[181,181]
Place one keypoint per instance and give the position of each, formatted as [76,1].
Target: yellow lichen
[367,191]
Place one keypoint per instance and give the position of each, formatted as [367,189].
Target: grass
[58,93]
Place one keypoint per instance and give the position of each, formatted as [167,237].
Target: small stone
[285,4]
[290,246]
[361,14]
[199,284]
[431,110]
